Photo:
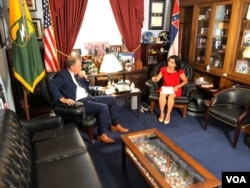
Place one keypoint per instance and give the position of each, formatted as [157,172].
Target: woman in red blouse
[174,79]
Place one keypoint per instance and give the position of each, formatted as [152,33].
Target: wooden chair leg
[184,111]
[205,121]
[152,106]
[236,135]
[91,134]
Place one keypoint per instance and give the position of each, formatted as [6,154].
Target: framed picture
[38,27]
[245,38]
[126,57]
[31,5]
[242,66]
[156,14]
[76,53]
[97,48]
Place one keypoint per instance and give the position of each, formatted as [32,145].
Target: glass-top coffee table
[162,163]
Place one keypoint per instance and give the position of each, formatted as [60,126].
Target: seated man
[71,84]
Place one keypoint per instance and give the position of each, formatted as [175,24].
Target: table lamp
[110,64]
[246,52]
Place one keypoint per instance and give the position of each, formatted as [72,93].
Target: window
[99,25]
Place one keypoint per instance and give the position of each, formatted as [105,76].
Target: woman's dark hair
[177,61]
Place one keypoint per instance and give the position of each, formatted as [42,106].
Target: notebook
[167,90]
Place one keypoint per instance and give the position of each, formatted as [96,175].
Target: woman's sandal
[166,122]
[160,120]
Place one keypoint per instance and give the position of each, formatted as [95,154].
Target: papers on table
[167,90]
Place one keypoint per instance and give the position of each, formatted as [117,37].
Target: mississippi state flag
[174,30]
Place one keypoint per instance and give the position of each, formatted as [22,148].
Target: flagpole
[25,104]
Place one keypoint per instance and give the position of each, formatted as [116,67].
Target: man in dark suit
[71,84]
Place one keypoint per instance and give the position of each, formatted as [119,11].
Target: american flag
[174,30]
[50,55]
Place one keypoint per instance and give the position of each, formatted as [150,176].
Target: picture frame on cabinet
[31,5]
[37,23]
[126,57]
[242,66]
[245,38]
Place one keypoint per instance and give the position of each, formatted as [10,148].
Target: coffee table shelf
[163,163]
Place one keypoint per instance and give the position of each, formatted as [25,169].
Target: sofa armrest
[42,123]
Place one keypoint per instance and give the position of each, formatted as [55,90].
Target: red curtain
[129,16]
[67,17]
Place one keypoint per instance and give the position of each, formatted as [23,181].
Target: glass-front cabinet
[240,61]
[211,36]
[220,37]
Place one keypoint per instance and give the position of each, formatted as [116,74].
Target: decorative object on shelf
[245,38]
[246,52]
[147,37]
[220,12]
[164,36]
[208,68]
[110,64]
[248,13]
[138,64]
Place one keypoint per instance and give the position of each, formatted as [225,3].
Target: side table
[128,96]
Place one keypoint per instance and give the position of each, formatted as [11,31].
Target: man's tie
[77,80]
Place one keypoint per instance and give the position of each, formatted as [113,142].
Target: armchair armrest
[42,123]
[152,86]
[189,88]
[64,109]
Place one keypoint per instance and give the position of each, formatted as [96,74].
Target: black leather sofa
[43,153]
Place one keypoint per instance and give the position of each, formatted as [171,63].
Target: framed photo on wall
[156,14]
[38,27]
[31,5]
[245,38]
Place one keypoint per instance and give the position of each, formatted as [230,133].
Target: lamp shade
[246,52]
[110,64]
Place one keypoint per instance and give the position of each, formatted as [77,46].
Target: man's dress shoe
[105,139]
[119,128]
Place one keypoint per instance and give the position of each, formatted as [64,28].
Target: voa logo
[236,179]
[241,179]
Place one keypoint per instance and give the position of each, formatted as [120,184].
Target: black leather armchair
[70,114]
[180,102]
[231,105]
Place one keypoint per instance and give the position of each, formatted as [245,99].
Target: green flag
[27,59]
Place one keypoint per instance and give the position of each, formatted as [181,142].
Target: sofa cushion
[15,152]
[75,171]
[66,142]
